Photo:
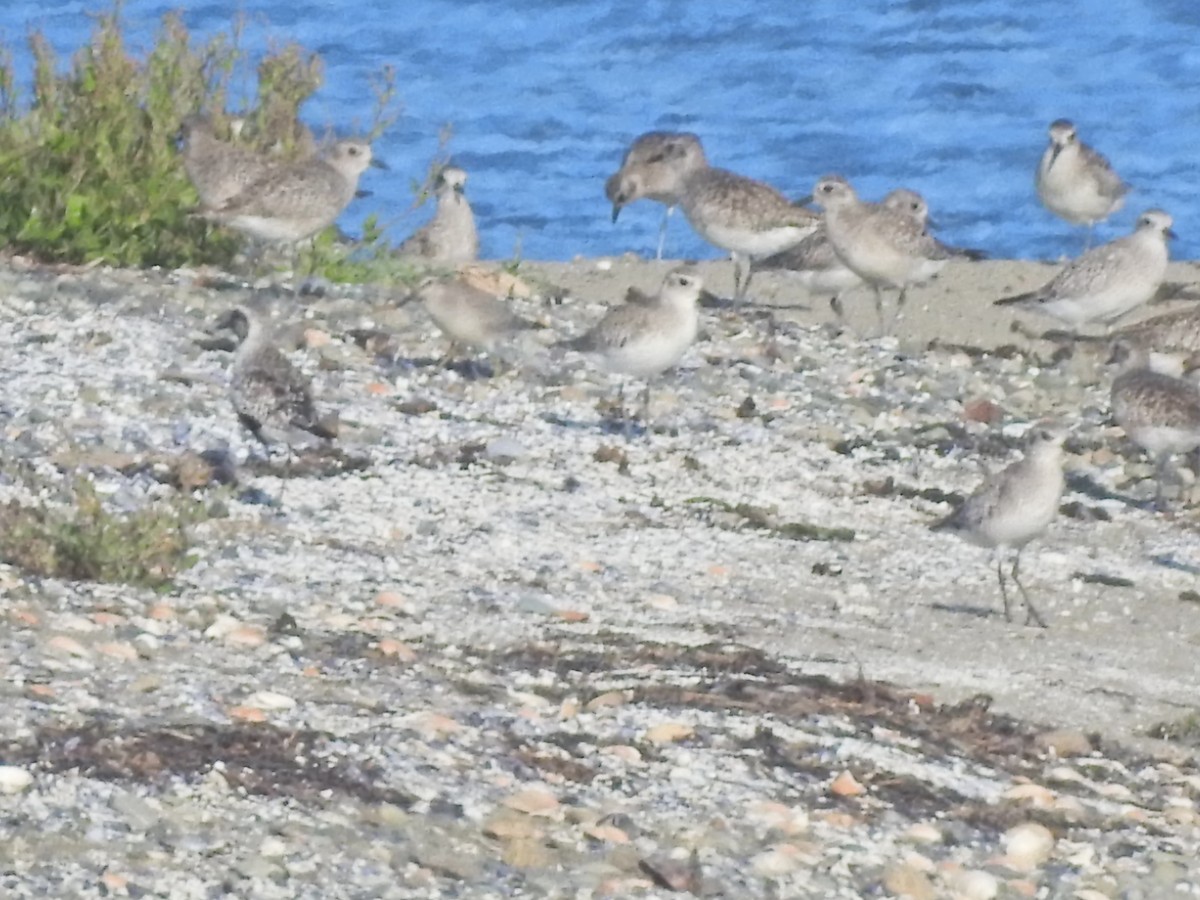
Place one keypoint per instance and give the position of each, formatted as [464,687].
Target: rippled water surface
[950,98]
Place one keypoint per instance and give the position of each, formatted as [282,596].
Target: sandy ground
[1122,660]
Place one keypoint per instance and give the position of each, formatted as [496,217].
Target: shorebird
[1157,410]
[273,400]
[885,246]
[1013,507]
[468,315]
[219,170]
[747,218]
[1107,281]
[1075,182]
[1175,331]
[653,168]
[449,237]
[815,264]
[646,335]
[293,202]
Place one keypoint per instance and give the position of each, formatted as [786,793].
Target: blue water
[949,98]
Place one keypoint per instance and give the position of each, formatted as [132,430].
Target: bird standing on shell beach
[1075,182]
[1012,508]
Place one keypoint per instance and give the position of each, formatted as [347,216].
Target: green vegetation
[89,168]
[85,542]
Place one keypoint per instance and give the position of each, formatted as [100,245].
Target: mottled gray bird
[646,335]
[273,400]
[468,315]
[1171,332]
[219,170]
[749,219]
[294,201]
[1158,411]
[817,267]
[653,168]
[886,247]
[450,237]
[1107,281]
[1075,182]
[1013,507]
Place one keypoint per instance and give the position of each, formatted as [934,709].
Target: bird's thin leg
[646,411]
[839,309]
[662,233]
[1162,467]
[1089,237]
[1003,588]
[737,273]
[883,327]
[1031,614]
[903,295]
[749,275]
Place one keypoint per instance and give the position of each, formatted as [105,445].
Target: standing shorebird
[1012,508]
[1107,281]
[468,315]
[273,400]
[450,236]
[293,202]
[219,170]
[1075,182]
[747,218]
[653,168]
[885,246]
[1158,411]
[646,335]
[821,272]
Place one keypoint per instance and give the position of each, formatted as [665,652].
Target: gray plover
[817,267]
[1075,182]
[886,247]
[468,315]
[450,237]
[1107,281]
[293,202]
[219,170]
[749,219]
[646,335]
[1174,331]
[1013,507]
[653,168]
[273,400]
[1158,411]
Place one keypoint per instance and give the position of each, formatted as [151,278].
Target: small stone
[778,817]
[391,600]
[846,785]
[270,700]
[669,732]
[606,700]
[534,801]
[395,649]
[608,834]
[780,860]
[982,410]
[433,725]
[924,833]
[504,450]
[62,645]
[1064,742]
[527,853]
[14,779]
[118,650]
[661,601]
[315,337]
[974,884]
[908,881]
[247,714]
[115,882]
[509,826]
[1027,845]
[1031,794]
[136,811]
[623,752]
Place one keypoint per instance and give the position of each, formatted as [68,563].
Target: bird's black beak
[1054,155]
[378,163]
[616,211]
[803,201]
[1170,232]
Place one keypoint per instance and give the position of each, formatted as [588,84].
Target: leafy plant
[83,541]
[89,168]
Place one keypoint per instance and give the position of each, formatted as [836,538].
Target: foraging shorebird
[1012,508]
[468,315]
[815,264]
[293,202]
[273,400]
[1175,331]
[646,335]
[1107,281]
[219,170]
[653,168]
[886,247]
[749,219]
[450,236]
[1157,410]
[1075,182]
